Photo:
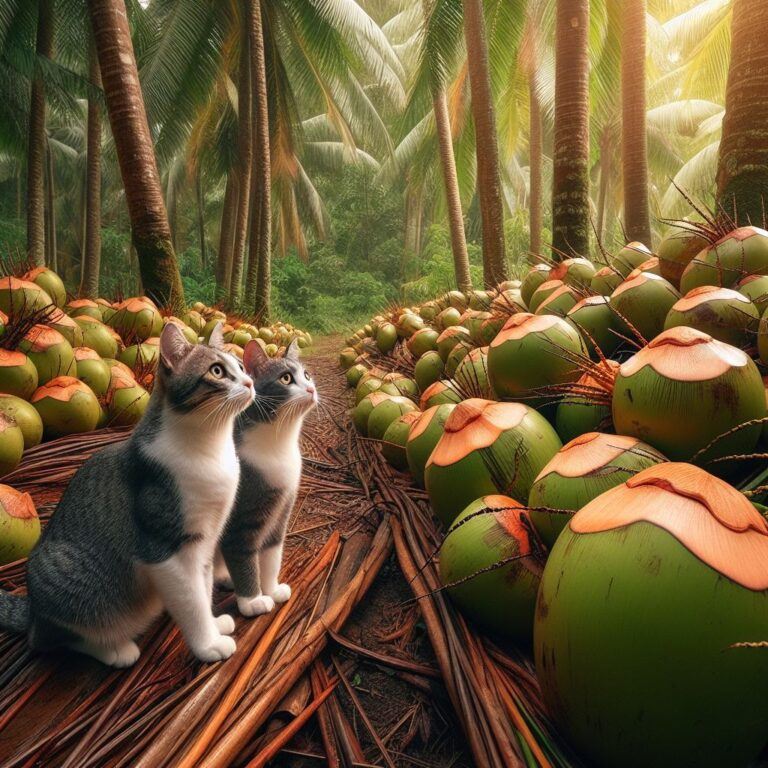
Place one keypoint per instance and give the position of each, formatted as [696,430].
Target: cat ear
[173,346]
[254,356]
[216,339]
[292,352]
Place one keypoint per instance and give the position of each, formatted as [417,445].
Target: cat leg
[270,561]
[221,573]
[183,586]
[243,565]
[119,655]
[224,623]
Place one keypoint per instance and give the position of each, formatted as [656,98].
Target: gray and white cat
[136,530]
[267,440]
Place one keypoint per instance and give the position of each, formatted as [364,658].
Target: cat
[136,530]
[267,440]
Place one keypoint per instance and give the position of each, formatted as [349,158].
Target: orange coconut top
[59,317]
[549,285]
[705,293]
[475,424]
[508,514]
[560,270]
[521,324]
[17,504]
[556,294]
[454,330]
[433,389]
[86,353]
[599,380]
[137,304]
[376,397]
[12,357]
[640,279]
[423,420]
[605,272]
[77,303]
[119,379]
[637,246]
[41,338]
[588,301]
[14,284]
[90,321]
[742,233]
[706,515]
[62,388]
[685,354]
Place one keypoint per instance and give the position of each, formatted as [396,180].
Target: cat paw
[255,606]
[118,656]
[281,593]
[219,649]
[225,624]
[125,655]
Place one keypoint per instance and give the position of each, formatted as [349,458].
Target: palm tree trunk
[605,177]
[200,197]
[535,152]
[226,237]
[36,141]
[91,266]
[570,188]
[487,145]
[51,246]
[634,138]
[133,143]
[244,161]
[742,172]
[452,196]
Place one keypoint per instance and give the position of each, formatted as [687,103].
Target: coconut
[85,308]
[395,438]
[407,324]
[18,375]
[50,282]
[471,374]
[238,336]
[724,314]
[579,472]
[384,413]
[98,336]
[536,275]
[398,384]
[487,447]
[11,444]
[189,333]
[649,265]
[660,579]
[66,406]
[676,252]
[577,272]
[684,390]
[448,317]
[543,292]
[474,325]
[428,370]
[559,302]
[126,402]
[456,299]
[455,356]
[438,393]
[424,340]
[507,303]
[66,326]
[19,525]
[50,352]
[739,254]
[92,370]
[492,567]
[386,338]
[347,357]
[643,302]
[587,406]
[355,373]
[424,436]
[22,297]
[605,281]
[489,329]
[136,318]
[362,410]
[755,288]
[26,418]
[479,300]
[144,354]
[195,321]
[630,257]
[596,322]
[366,385]
[531,353]
[450,337]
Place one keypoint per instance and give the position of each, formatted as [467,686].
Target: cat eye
[217,371]
[307,376]
[286,379]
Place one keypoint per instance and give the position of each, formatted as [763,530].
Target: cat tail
[14,612]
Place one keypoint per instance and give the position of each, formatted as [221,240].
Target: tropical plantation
[384,383]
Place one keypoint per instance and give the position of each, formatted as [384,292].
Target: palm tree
[742,171]
[133,144]
[487,144]
[570,188]
[634,139]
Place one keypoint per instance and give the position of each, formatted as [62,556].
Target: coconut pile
[592,439]
[71,366]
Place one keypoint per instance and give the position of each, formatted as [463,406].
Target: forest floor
[386,706]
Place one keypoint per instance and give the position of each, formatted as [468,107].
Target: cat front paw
[281,593]
[225,624]
[218,649]
[255,606]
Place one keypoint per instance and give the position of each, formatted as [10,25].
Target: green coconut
[630,257]
[50,282]
[424,436]
[395,438]
[66,406]
[492,568]
[660,580]
[354,374]
[408,323]
[724,314]
[479,300]
[18,375]
[605,281]
[739,254]
[676,252]
[98,336]
[362,410]
[66,326]
[579,472]
[399,384]
[85,308]
[386,338]
[471,374]
[762,339]
[443,391]
[450,337]
[531,354]
[587,406]
[559,302]
[455,356]
[755,288]
[684,390]
[20,298]
[237,336]
[542,293]
[423,341]
[536,276]
[19,525]
[457,299]
[448,317]
[25,416]
[347,357]
[596,322]
[189,333]
[366,386]
[474,325]
[194,320]
[50,353]
[649,265]
[487,448]
[428,370]
[489,329]
[146,354]
[385,412]
[577,272]
[508,303]
[127,402]
[136,319]
[643,302]
[92,370]
[11,444]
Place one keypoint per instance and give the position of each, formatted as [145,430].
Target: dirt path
[389,706]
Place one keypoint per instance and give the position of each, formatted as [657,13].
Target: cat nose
[311,390]
[248,383]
